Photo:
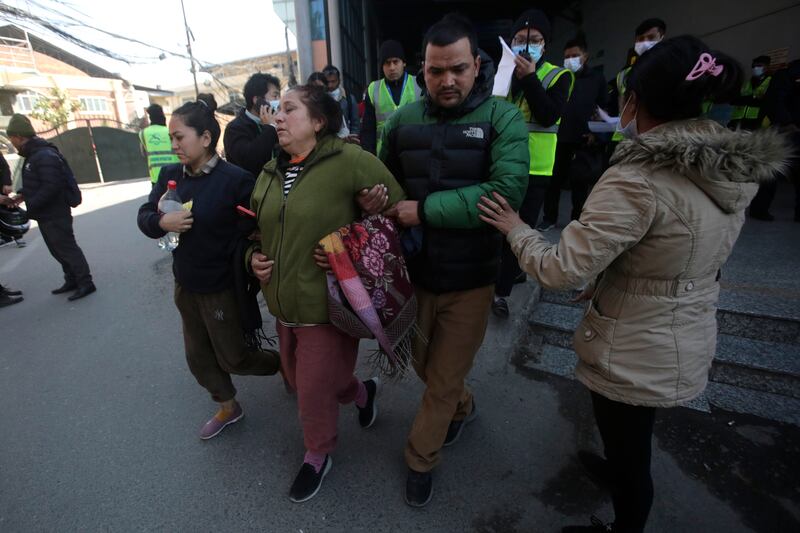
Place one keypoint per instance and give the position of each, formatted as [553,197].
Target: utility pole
[292,78]
[189,49]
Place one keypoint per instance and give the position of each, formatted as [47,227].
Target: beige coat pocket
[593,340]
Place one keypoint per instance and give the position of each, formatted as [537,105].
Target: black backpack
[73,193]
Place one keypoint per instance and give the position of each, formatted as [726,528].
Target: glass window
[25,102]
[93,104]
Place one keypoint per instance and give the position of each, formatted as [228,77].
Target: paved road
[99,424]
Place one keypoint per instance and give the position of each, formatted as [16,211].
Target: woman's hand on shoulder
[499,213]
[262,267]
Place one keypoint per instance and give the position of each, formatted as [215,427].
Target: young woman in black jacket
[203,261]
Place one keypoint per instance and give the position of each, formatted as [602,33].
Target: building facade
[32,69]
[226,81]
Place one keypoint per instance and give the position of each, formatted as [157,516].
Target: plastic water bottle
[170,202]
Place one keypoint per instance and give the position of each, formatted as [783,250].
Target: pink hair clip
[706,64]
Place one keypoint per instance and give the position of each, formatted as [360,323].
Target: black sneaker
[457,426]
[6,300]
[597,527]
[308,481]
[9,292]
[419,488]
[368,413]
[500,307]
[596,468]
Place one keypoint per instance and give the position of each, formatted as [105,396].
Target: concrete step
[561,362]
[760,327]
[560,297]
[736,316]
[772,367]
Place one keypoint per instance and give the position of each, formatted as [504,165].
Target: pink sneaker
[213,427]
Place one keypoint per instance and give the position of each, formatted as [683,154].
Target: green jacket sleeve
[508,175]
[370,171]
[255,198]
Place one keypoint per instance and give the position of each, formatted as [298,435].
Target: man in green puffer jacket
[447,150]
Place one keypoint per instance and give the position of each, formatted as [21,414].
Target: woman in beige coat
[650,243]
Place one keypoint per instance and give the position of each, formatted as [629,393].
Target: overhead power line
[18,14]
[83,23]
[25,19]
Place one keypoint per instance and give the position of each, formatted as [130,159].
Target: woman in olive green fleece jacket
[311,189]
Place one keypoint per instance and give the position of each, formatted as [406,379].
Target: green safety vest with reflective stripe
[542,140]
[751,110]
[384,105]
[622,75]
[158,149]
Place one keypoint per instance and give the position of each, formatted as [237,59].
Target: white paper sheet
[505,69]
[605,117]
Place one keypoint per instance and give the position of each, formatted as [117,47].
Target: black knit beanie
[390,49]
[537,20]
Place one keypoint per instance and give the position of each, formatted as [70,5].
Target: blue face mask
[535,50]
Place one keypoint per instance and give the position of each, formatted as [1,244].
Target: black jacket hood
[34,145]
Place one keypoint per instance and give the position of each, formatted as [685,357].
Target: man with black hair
[541,91]
[49,192]
[648,33]
[750,114]
[346,101]
[251,138]
[155,143]
[448,150]
[575,142]
[385,96]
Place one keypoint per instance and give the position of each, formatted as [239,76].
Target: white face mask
[758,71]
[336,93]
[573,63]
[643,46]
[629,131]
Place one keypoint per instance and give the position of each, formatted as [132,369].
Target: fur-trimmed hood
[719,161]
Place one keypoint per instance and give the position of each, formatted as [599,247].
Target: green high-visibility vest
[752,109]
[158,148]
[622,75]
[542,140]
[384,105]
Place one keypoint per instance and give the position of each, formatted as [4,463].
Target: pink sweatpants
[318,362]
